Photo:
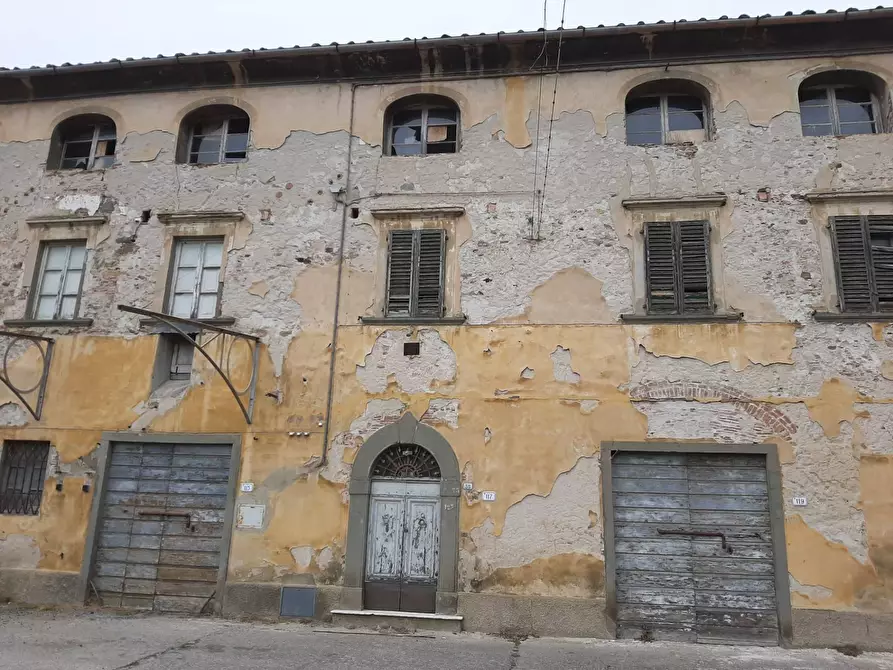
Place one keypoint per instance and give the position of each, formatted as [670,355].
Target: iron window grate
[22,472]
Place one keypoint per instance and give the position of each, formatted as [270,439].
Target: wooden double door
[402,546]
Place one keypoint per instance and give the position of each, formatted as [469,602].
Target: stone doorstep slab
[402,615]
[451,623]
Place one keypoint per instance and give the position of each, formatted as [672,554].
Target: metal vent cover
[297,601]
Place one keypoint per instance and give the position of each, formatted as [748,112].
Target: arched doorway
[403,526]
[404,531]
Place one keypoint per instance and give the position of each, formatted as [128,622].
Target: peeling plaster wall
[542,372]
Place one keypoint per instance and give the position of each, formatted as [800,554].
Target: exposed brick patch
[766,413]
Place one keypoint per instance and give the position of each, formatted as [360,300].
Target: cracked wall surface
[541,372]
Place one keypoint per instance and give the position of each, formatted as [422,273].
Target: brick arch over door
[772,417]
[407,430]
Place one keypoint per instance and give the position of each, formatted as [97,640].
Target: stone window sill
[682,318]
[412,321]
[48,323]
[854,317]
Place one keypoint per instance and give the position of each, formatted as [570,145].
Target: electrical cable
[539,107]
[542,198]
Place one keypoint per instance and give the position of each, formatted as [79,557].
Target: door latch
[698,533]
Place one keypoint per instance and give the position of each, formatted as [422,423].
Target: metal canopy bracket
[37,391]
[185,326]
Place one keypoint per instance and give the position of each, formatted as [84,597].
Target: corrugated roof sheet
[680,22]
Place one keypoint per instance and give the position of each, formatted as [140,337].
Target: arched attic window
[667,111]
[843,102]
[420,125]
[214,134]
[84,142]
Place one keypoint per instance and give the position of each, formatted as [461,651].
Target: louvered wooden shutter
[677,268]
[852,253]
[694,266]
[415,273]
[880,231]
[429,298]
[400,271]
[660,268]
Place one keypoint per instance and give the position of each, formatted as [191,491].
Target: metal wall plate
[297,601]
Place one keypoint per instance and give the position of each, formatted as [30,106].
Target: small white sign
[467,486]
[247,487]
[799,501]
[250,516]
[488,496]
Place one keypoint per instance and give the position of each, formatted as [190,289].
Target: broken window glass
[219,140]
[87,145]
[423,127]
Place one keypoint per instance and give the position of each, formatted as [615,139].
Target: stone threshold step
[401,615]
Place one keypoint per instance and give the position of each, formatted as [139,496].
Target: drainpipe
[330,396]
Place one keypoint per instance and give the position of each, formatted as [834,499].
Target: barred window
[22,471]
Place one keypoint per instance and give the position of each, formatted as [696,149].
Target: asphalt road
[57,640]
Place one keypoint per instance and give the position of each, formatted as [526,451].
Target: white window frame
[224,134]
[196,293]
[60,294]
[91,159]
[831,92]
[665,114]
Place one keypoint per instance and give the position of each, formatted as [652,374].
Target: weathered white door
[402,546]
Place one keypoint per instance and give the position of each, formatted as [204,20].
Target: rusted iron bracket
[38,391]
[182,326]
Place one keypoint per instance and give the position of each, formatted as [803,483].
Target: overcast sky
[38,32]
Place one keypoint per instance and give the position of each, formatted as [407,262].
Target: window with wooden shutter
[677,268]
[415,273]
[863,253]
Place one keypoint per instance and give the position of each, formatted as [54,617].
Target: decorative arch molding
[800,75]
[408,430]
[216,100]
[433,89]
[88,110]
[711,89]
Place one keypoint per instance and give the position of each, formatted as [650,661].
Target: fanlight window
[85,142]
[422,125]
[406,461]
[667,111]
[843,102]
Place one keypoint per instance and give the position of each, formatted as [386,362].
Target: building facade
[325,331]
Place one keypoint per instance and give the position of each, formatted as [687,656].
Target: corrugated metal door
[402,547]
[693,548]
[161,526]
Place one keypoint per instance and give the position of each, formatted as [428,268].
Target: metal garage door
[161,526]
[693,548]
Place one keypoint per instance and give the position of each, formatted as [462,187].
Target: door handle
[698,533]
